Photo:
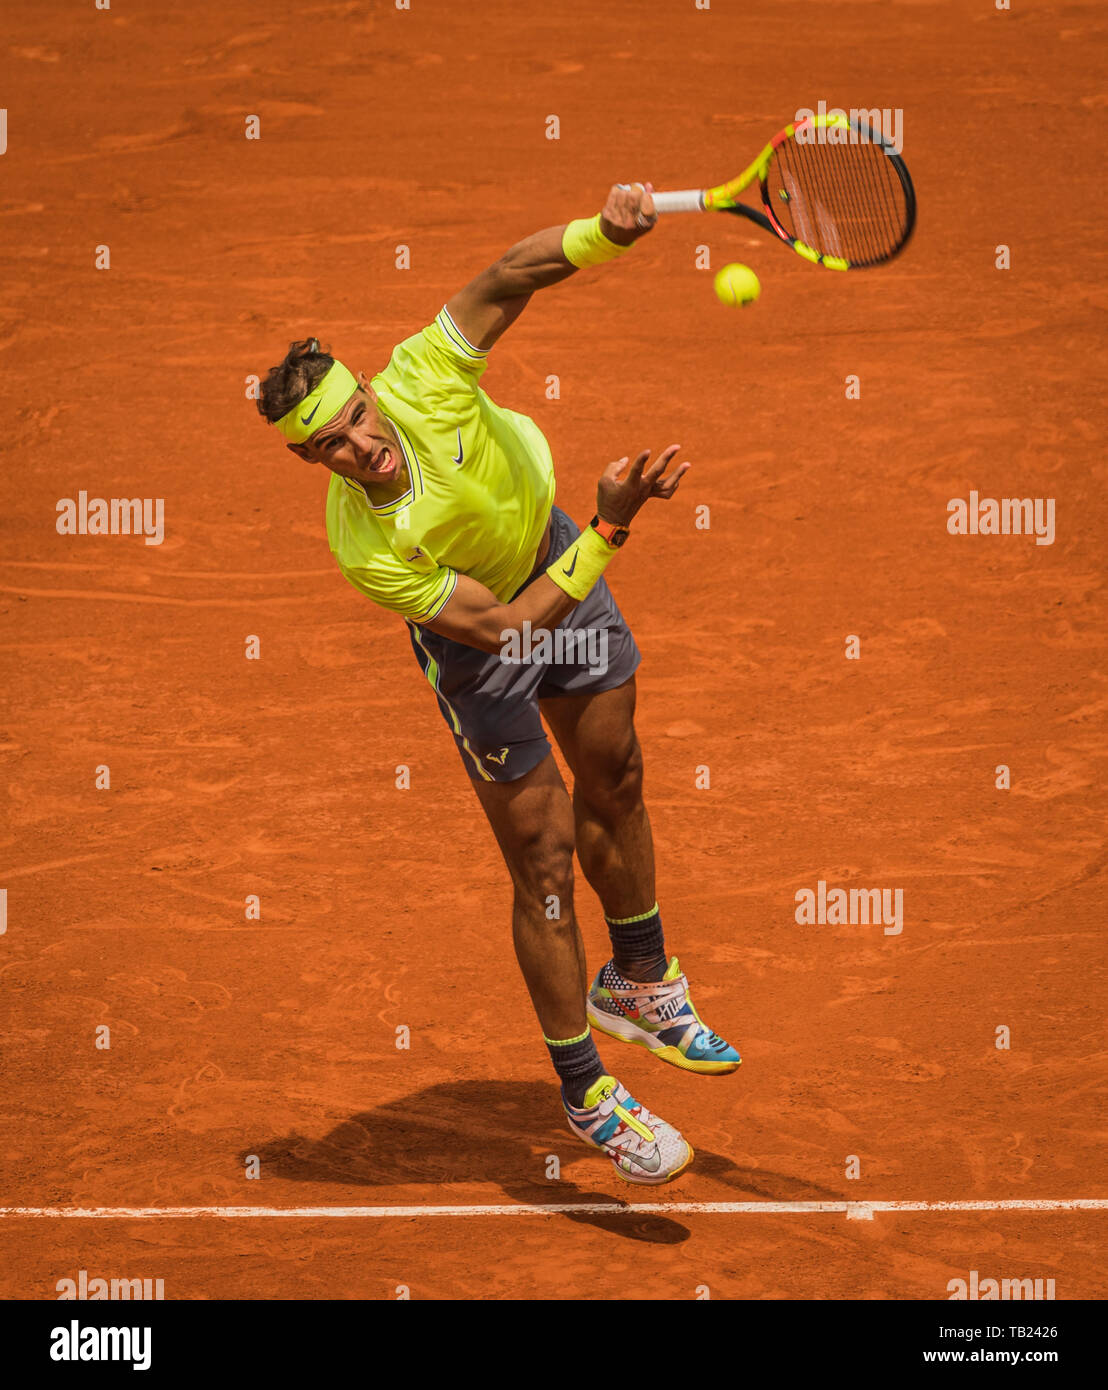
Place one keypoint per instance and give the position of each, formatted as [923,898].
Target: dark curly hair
[304,367]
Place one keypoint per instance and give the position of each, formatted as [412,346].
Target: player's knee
[544,872]
[612,786]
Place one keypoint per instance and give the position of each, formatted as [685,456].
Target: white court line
[862,1210]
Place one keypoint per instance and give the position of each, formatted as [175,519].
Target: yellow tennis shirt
[481,491]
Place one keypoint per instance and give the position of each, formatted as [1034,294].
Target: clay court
[276,777]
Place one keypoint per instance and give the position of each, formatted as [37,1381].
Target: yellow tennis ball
[737,284]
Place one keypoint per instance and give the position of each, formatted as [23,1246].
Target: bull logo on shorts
[497,757]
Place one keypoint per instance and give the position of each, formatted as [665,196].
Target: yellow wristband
[579,567]
[583,243]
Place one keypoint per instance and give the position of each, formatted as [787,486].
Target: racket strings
[833,210]
[844,200]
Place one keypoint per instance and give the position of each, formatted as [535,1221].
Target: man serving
[440,508]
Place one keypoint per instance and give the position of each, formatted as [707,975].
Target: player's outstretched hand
[625,486]
[629,212]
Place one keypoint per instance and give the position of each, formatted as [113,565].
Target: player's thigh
[596,733]
[490,706]
[532,819]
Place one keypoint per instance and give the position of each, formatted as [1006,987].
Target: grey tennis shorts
[490,700]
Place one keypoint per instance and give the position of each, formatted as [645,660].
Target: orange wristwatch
[612,531]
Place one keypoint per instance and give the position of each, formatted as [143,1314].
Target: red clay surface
[383,907]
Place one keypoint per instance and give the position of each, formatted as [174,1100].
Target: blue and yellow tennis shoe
[659,1015]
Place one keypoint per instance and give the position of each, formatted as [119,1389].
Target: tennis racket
[832,189]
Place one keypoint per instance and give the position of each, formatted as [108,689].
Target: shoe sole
[609,1024]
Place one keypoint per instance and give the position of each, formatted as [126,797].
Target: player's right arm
[474,616]
[496,298]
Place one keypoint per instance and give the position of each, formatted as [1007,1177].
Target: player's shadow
[460,1132]
[500,1132]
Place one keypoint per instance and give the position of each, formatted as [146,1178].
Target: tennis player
[440,508]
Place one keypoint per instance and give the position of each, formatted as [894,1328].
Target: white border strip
[857,1210]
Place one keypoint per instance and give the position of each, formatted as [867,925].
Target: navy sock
[577,1063]
[639,946]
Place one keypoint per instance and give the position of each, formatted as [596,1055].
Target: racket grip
[690,200]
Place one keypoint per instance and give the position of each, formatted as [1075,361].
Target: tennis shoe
[643,1148]
[659,1015]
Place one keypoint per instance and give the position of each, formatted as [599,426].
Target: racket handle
[690,200]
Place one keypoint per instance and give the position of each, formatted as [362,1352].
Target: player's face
[358,442]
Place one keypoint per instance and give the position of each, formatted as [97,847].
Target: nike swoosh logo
[569,572]
[307,419]
[651,1162]
[458,457]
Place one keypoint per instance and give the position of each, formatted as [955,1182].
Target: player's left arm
[492,302]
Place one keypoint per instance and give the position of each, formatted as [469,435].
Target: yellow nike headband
[319,406]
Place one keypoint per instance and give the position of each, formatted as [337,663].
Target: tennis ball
[737,284]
